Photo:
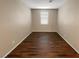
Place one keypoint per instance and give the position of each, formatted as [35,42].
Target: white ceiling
[44,4]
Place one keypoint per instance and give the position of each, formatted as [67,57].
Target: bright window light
[44,17]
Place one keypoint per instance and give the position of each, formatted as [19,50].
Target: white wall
[52,25]
[15,24]
[68,23]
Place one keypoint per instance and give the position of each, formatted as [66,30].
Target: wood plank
[43,45]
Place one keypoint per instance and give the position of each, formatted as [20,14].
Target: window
[44,17]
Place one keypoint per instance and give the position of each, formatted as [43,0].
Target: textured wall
[68,22]
[15,24]
[52,21]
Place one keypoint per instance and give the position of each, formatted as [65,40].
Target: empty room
[39,29]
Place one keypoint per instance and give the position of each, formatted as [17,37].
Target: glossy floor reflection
[43,45]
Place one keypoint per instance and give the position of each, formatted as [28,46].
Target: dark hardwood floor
[43,45]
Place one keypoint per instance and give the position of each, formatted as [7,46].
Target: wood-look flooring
[43,45]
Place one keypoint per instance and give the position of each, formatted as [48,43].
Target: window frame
[44,17]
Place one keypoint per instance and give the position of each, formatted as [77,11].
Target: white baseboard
[15,46]
[69,43]
[27,36]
